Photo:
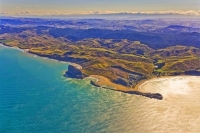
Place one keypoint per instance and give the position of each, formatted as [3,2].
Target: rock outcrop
[94,83]
[150,95]
[193,72]
[121,81]
[74,72]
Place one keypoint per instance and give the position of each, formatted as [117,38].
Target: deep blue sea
[36,98]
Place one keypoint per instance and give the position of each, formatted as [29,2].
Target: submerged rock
[74,72]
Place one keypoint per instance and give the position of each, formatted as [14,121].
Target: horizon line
[57,13]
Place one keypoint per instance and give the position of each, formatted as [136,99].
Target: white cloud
[171,12]
[179,12]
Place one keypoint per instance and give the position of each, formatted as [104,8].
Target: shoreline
[103,81]
[36,55]
[61,61]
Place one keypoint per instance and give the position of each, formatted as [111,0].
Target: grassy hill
[120,56]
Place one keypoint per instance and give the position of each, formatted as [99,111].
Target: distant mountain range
[161,38]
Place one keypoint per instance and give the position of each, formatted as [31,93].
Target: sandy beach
[170,85]
[101,80]
[155,79]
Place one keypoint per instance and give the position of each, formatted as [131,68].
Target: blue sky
[75,6]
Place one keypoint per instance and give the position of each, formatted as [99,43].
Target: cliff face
[74,72]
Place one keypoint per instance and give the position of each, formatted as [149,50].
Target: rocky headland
[74,72]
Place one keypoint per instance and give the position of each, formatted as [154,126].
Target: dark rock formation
[160,65]
[94,83]
[153,95]
[121,81]
[193,72]
[150,95]
[126,70]
[132,80]
[74,72]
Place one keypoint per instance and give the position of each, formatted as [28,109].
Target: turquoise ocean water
[35,97]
